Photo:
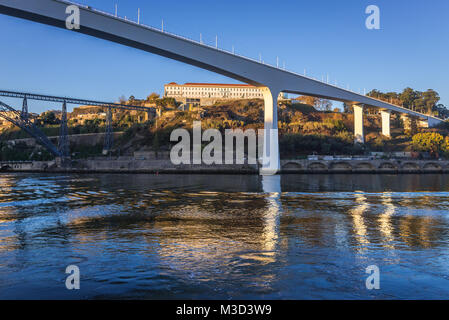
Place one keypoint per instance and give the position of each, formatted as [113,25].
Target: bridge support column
[410,123]
[386,116]
[359,136]
[63,142]
[24,114]
[109,134]
[270,157]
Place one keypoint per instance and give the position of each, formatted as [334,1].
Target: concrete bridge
[271,80]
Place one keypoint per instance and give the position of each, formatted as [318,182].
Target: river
[146,236]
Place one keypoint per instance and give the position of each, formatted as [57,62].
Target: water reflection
[171,236]
[359,226]
[385,220]
[272,187]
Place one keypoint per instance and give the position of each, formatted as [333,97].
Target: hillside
[302,129]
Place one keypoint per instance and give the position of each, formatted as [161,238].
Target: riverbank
[131,165]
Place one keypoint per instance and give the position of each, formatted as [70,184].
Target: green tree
[428,142]
[430,99]
[165,102]
[408,97]
[153,97]
[49,117]
[347,108]
[445,147]
[312,101]
[324,105]
[442,111]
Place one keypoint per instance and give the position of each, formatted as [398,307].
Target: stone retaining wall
[287,166]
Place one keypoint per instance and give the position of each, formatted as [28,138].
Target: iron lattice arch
[22,121]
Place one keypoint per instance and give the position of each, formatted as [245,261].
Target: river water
[224,236]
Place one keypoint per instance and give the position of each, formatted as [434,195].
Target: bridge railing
[33,96]
[186,38]
[15,162]
[234,54]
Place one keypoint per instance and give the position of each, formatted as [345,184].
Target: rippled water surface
[224,236]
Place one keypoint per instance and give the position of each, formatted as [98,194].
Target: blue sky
[322,36]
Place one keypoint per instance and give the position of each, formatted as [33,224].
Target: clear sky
[321,36]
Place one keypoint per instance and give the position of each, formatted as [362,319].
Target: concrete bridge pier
[359,136]
[147,116]
[386,125]
[270,158]
[410,123]
[406,120]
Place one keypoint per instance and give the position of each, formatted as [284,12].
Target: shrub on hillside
[328,126]
[335,124]
[445,147]
[378,143]
[431,142]
[345,136]
[294,144]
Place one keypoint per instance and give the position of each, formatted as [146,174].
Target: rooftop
[192,84]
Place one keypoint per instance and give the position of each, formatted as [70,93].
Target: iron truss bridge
[32,96]
[21,119]
[16,117]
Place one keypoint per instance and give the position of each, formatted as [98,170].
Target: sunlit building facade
[208,93]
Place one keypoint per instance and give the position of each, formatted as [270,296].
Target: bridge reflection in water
[360,229]
[180,236]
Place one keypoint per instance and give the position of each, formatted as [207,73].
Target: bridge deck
[107,26]
[33,96]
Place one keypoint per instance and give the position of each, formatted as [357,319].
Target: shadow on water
[220,236]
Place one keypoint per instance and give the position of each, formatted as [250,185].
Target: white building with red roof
[207,93]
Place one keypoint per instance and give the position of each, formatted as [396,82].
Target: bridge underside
[123,41]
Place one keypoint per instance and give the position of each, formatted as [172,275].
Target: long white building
[212,91]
